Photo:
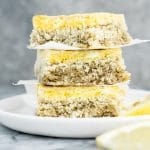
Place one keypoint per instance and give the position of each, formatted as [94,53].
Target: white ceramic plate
[18,113]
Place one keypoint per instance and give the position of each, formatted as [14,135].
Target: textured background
[16,61]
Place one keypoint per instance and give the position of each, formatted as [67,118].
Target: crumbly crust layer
[97,72]
[79,107]
[91,38]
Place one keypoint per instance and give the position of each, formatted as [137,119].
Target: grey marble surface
[13,140]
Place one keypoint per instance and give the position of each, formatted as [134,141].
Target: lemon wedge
[132,137]
[140,108]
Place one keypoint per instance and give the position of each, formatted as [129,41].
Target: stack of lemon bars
[87,81]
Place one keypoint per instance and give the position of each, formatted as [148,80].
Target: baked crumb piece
[92,31]
[79,102]
[90,67]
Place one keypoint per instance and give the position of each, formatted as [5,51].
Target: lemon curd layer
[46,23]
[61,56]
[50,92]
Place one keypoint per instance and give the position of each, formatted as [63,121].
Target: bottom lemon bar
[92,101]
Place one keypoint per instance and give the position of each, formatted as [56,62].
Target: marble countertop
[10,139]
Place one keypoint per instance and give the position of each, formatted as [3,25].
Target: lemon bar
[86,67]
[85,101]
[92,31]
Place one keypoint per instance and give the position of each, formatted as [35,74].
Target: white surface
[60,46]
[18,113]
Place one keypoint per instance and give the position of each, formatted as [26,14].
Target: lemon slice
[140,108]
[133,137]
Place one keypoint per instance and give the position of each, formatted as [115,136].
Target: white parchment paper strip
[60,46]
[34,82]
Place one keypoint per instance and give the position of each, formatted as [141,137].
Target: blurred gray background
[16,61]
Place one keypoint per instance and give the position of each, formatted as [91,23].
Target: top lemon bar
[95,30]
